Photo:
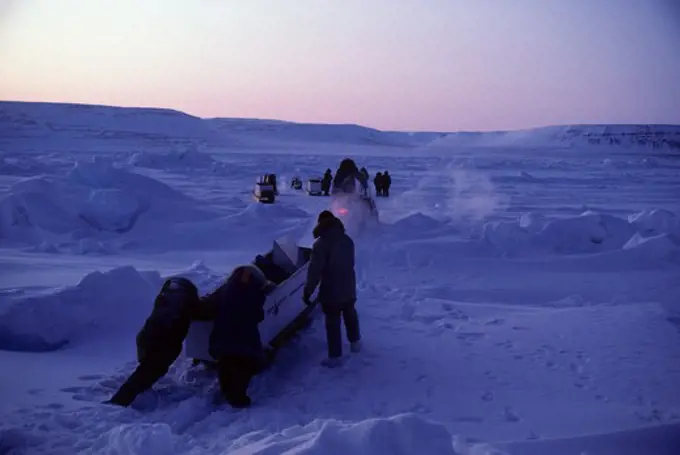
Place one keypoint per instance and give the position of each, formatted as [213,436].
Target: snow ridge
[26,124]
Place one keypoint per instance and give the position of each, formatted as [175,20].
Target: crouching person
[159,342]
[235,339]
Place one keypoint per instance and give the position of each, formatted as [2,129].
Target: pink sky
[390,64]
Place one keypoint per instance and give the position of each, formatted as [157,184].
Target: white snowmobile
[265,189]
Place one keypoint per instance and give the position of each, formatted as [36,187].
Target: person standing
[364,179]
[326,182]
[346,177]
[377,182]
[387,182]
[332,269]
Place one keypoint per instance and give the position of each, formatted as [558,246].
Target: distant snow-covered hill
[650,136]
[58,126]
[30,125]
[282,131]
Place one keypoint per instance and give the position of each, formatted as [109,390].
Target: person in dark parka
[346,177]
[235,339]
[332,269]
[387,182]
[364,179]
[159,342]
[377,182]
[326,182]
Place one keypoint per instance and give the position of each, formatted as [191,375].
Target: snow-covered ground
[519,300]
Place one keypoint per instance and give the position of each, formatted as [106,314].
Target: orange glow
[342,211]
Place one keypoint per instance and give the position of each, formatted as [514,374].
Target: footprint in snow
[74,389]
[510,415]
[469,419]
[505,344]
[111,383]
[496,321]
[54,406]
[470,336]
[488,396]
[90,377]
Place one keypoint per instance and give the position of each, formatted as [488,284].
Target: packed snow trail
[486,371]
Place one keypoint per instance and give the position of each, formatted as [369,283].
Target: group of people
[236,308]
[348,173]
[346,177]
[382,183]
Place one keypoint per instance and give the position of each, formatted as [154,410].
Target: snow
[588,233]
[90,199]
[98,304]
[514,299]
[650,136]
[148,131]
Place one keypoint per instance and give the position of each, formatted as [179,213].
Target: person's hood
[328,226]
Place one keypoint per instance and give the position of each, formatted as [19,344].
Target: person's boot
[121,399]
[331,362]
[355,346]
[239,402]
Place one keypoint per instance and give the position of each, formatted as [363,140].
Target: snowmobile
[314,187]
[356,210]
[264,190]
[353,203]
[285,313]
[296,183]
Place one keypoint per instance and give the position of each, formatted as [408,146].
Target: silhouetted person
[364,180]
[331,267]
[326,182]
[235,338]
[346,177]
[159,342]
[378,182]
[387,182]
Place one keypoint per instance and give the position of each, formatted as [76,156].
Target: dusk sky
[443,65]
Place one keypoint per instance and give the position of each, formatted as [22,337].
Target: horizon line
[297,122]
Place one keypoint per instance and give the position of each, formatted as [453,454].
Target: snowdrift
[654,232]
[404,434]
[657,440]
[100,304]
[91,199]
[187,159]
[279,212]
[23,165]
[401,434]
[418,223]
